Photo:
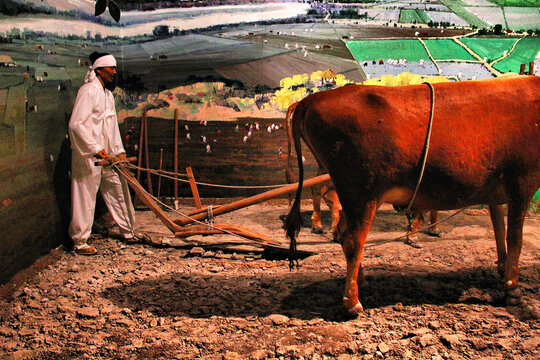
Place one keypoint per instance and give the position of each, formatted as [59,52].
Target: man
[94,134]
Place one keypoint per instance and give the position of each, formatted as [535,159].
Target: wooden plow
[185,227]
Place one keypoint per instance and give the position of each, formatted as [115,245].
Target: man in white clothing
[94,134]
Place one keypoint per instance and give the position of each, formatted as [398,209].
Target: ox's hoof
[412,242]
[352,309]
[434,233]
[317,230]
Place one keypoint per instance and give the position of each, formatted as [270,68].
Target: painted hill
[86,6]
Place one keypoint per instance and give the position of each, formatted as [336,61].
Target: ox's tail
[293,222]
[289,173]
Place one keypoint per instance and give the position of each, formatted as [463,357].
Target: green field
[526,51]
[490,48]
[362,50]
[446,49]
[458,7]
[409,16]
[517,3]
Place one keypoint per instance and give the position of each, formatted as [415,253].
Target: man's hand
[102,154]
[121,162]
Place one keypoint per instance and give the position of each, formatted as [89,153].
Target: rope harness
[425,152]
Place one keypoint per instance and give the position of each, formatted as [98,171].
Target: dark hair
[96,55]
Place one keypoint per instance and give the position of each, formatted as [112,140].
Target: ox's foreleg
[352,242]
[496,213]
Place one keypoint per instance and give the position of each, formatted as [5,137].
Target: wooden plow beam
[179,228]
[236,205]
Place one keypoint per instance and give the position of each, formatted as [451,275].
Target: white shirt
[93,125]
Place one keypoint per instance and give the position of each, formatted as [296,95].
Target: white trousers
[85,183]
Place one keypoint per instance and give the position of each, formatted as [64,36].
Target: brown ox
[484,149]
[327,192]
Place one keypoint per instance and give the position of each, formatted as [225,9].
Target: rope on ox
[425,152]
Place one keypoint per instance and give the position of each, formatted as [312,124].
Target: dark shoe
[87,250]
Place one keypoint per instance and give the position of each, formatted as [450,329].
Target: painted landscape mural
[227,70]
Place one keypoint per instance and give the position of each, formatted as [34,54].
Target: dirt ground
[220,297]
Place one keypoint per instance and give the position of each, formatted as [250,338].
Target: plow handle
[105,162]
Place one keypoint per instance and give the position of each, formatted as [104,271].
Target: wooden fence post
[148,175]
[175,166]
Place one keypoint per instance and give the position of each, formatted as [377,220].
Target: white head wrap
[104,61]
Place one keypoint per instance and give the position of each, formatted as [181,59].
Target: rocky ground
[220,297]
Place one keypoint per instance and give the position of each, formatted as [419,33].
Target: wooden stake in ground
[148,176]
[176,159]
[160,167]
[141,139]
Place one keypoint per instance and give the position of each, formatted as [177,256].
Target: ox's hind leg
[316,194]
[316,223]
[353,240]
[332,200]
[496,213]
[514,240]
[414,226]
[433,230]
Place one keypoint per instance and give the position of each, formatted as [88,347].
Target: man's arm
[80,126]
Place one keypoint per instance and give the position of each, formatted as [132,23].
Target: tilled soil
[220,297]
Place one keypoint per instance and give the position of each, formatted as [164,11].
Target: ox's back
[372,137]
